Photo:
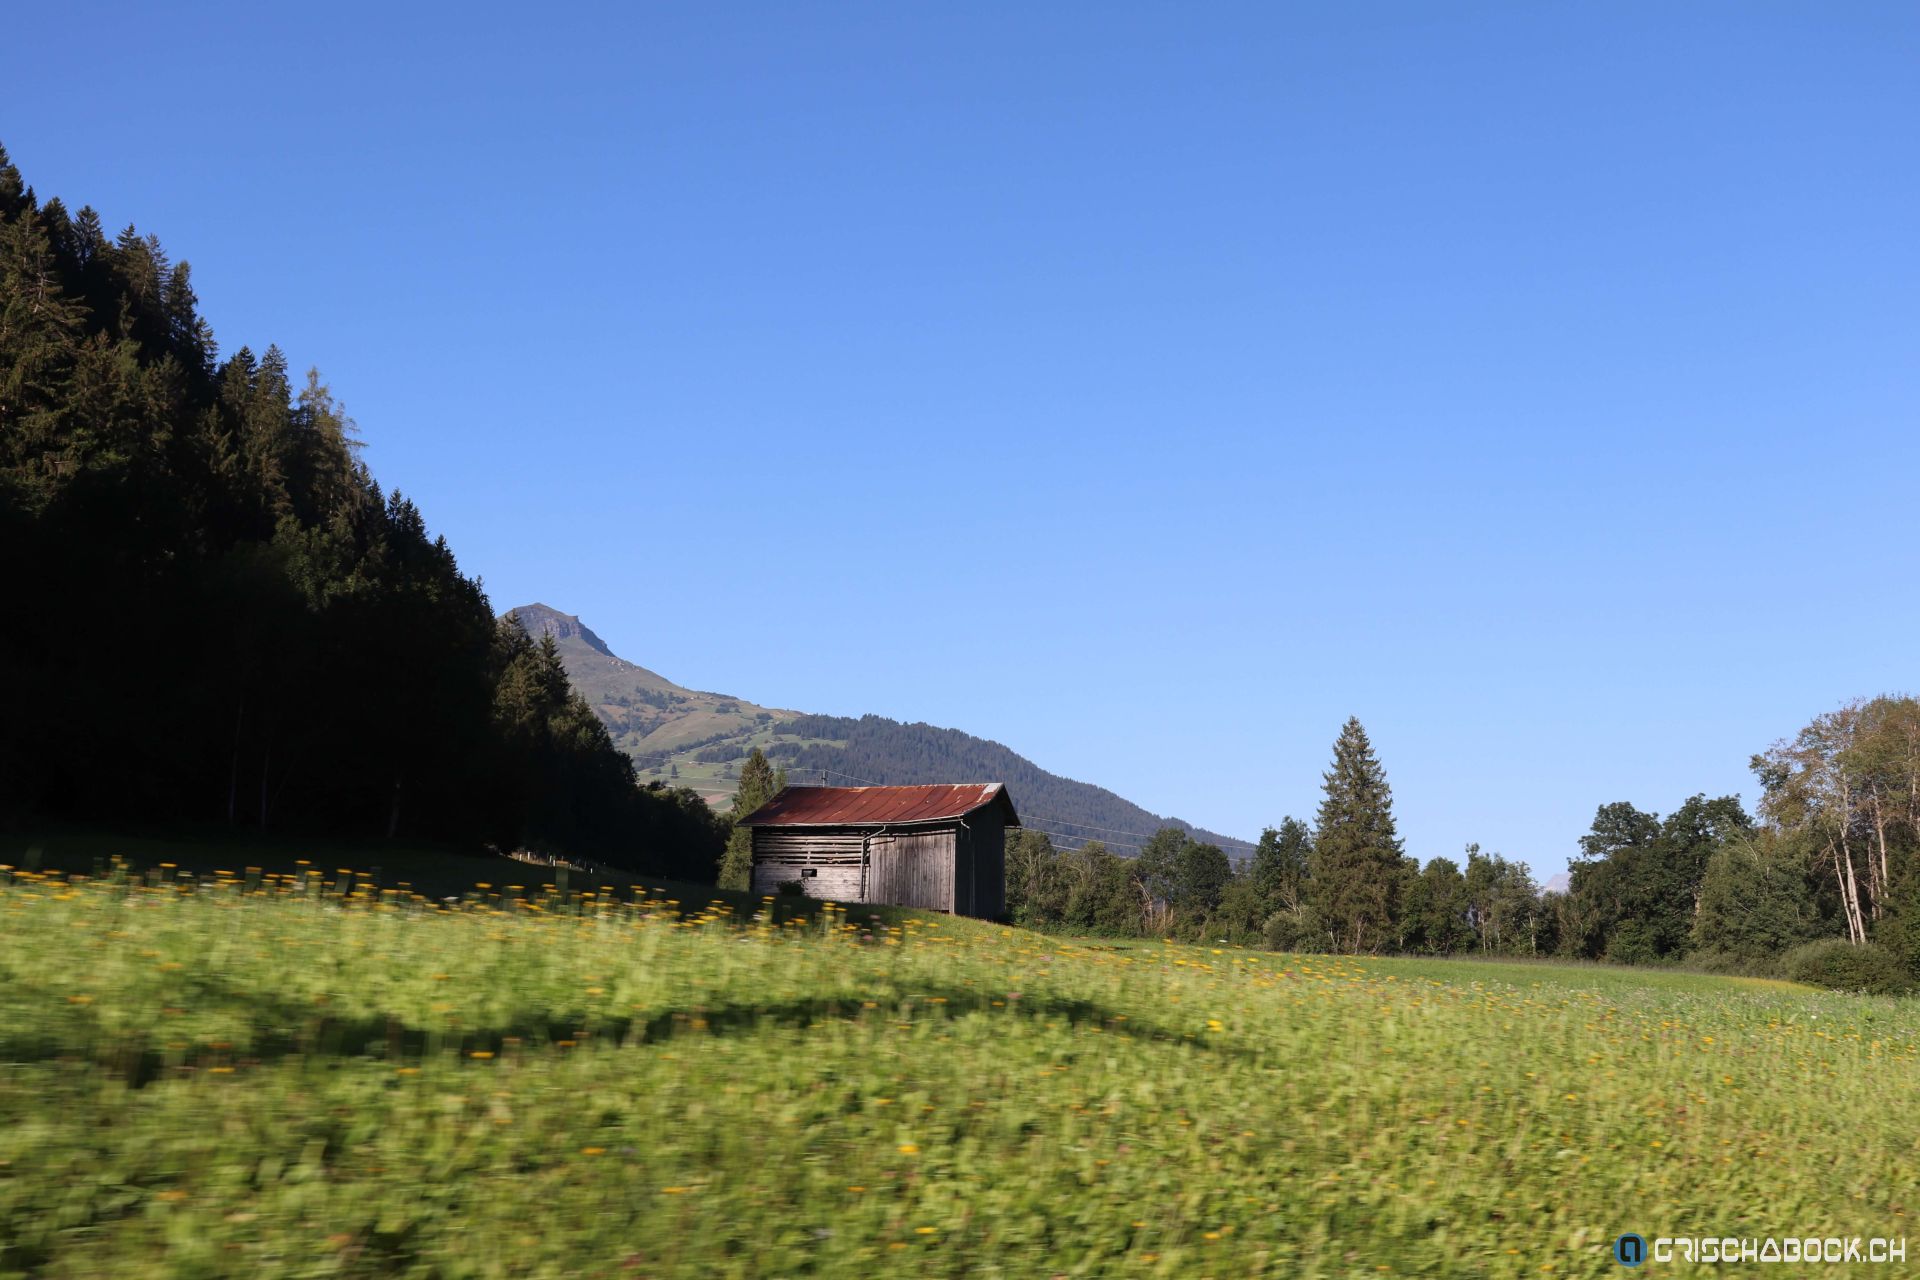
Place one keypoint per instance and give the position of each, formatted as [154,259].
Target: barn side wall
[987,836]
[963,887]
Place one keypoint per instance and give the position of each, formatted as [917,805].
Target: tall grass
[214,1080]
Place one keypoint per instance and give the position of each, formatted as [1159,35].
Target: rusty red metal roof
[879,806]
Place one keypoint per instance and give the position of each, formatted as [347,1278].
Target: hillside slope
[660,724]
[697,739]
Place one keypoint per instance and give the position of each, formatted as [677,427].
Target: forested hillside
[215,614]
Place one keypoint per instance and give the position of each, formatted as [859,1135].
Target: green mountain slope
[691,738]
[662,725]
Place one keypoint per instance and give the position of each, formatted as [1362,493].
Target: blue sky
[1149,387]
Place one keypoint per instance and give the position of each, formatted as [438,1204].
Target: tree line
[215,614]
[1823,884]
[1344,883]
[1819,883]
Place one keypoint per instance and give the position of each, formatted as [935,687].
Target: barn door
[911,870]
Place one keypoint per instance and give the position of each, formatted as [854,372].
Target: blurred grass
[436,872]
[200,1080]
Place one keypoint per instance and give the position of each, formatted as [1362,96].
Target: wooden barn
[939,847]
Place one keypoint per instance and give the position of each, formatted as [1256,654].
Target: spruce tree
[1355,869]
[759,783]
[14,197]
[39,325]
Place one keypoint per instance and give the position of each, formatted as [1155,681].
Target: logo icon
[1630,1250]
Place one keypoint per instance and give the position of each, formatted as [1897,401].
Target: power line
[1085,840]
[1068,822]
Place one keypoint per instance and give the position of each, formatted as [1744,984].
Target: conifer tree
[14,197]
[759,783]
[1355,872]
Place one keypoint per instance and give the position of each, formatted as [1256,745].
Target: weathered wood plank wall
[958,869]
[789,855]
[912,870]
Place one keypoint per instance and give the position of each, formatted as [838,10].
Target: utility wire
[1068,822]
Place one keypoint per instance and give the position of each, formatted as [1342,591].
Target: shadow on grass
[282,1030]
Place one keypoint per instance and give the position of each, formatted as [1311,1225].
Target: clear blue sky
[1147,387]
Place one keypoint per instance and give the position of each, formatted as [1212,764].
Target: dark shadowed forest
[217,615]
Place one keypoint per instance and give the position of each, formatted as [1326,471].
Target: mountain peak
[537,618]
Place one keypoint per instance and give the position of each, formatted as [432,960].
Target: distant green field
[719,779]
[208,1081]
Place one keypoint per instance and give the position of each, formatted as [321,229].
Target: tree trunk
[1849,890]
[1877,890]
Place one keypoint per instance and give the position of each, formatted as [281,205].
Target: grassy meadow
[307,1074]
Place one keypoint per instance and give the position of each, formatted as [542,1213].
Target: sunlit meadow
[308,1074]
